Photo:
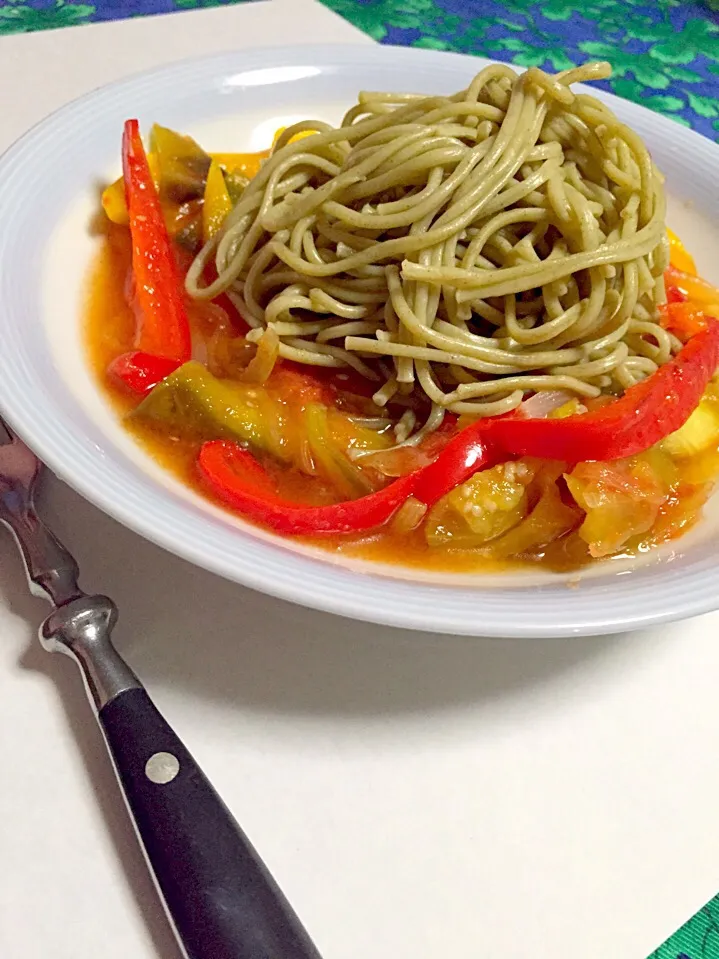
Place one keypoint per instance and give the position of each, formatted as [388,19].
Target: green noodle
[468,250]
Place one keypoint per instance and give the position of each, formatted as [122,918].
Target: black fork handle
[219,894]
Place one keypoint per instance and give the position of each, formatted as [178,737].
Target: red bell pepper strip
[164,329]
[461,458]
[140,372]
[237,478]
[163,333]
[642,417]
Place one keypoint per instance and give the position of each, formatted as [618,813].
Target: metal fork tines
[51,569]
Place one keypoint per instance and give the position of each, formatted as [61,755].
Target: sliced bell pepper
[641,418]
[699,434]
[163,327]
[691,287]
[113,196]
[679,257]
[244,164]
[298,136]
[217,203]
[179,168]
[235,475]
[140,372]
[645,414]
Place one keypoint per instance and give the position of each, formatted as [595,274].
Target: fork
[220,898]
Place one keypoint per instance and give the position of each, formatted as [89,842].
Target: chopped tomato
[621,499]
[680,512]
[299,387]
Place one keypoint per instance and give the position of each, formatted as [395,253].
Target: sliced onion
[541,404]
[263,362]
[409,516]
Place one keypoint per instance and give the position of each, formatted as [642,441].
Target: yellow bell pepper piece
[217,203]
[113,202]
[570,408]
[298,136]
[113,197]
[247,164]
[679,257]
[699,433]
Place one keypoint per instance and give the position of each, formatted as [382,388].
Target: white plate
[48,192]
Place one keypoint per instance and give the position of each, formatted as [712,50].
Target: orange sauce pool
[109,331]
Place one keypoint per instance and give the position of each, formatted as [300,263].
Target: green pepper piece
[193,402]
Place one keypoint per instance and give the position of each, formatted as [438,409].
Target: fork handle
[217,891]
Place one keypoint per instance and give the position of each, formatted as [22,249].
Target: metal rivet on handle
[162,768]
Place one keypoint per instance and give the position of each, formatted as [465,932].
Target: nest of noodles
[461,252]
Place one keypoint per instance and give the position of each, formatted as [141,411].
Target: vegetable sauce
[674,487]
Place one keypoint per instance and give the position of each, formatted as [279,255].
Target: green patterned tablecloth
[697,939]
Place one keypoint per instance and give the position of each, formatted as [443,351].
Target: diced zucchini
[483,508]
